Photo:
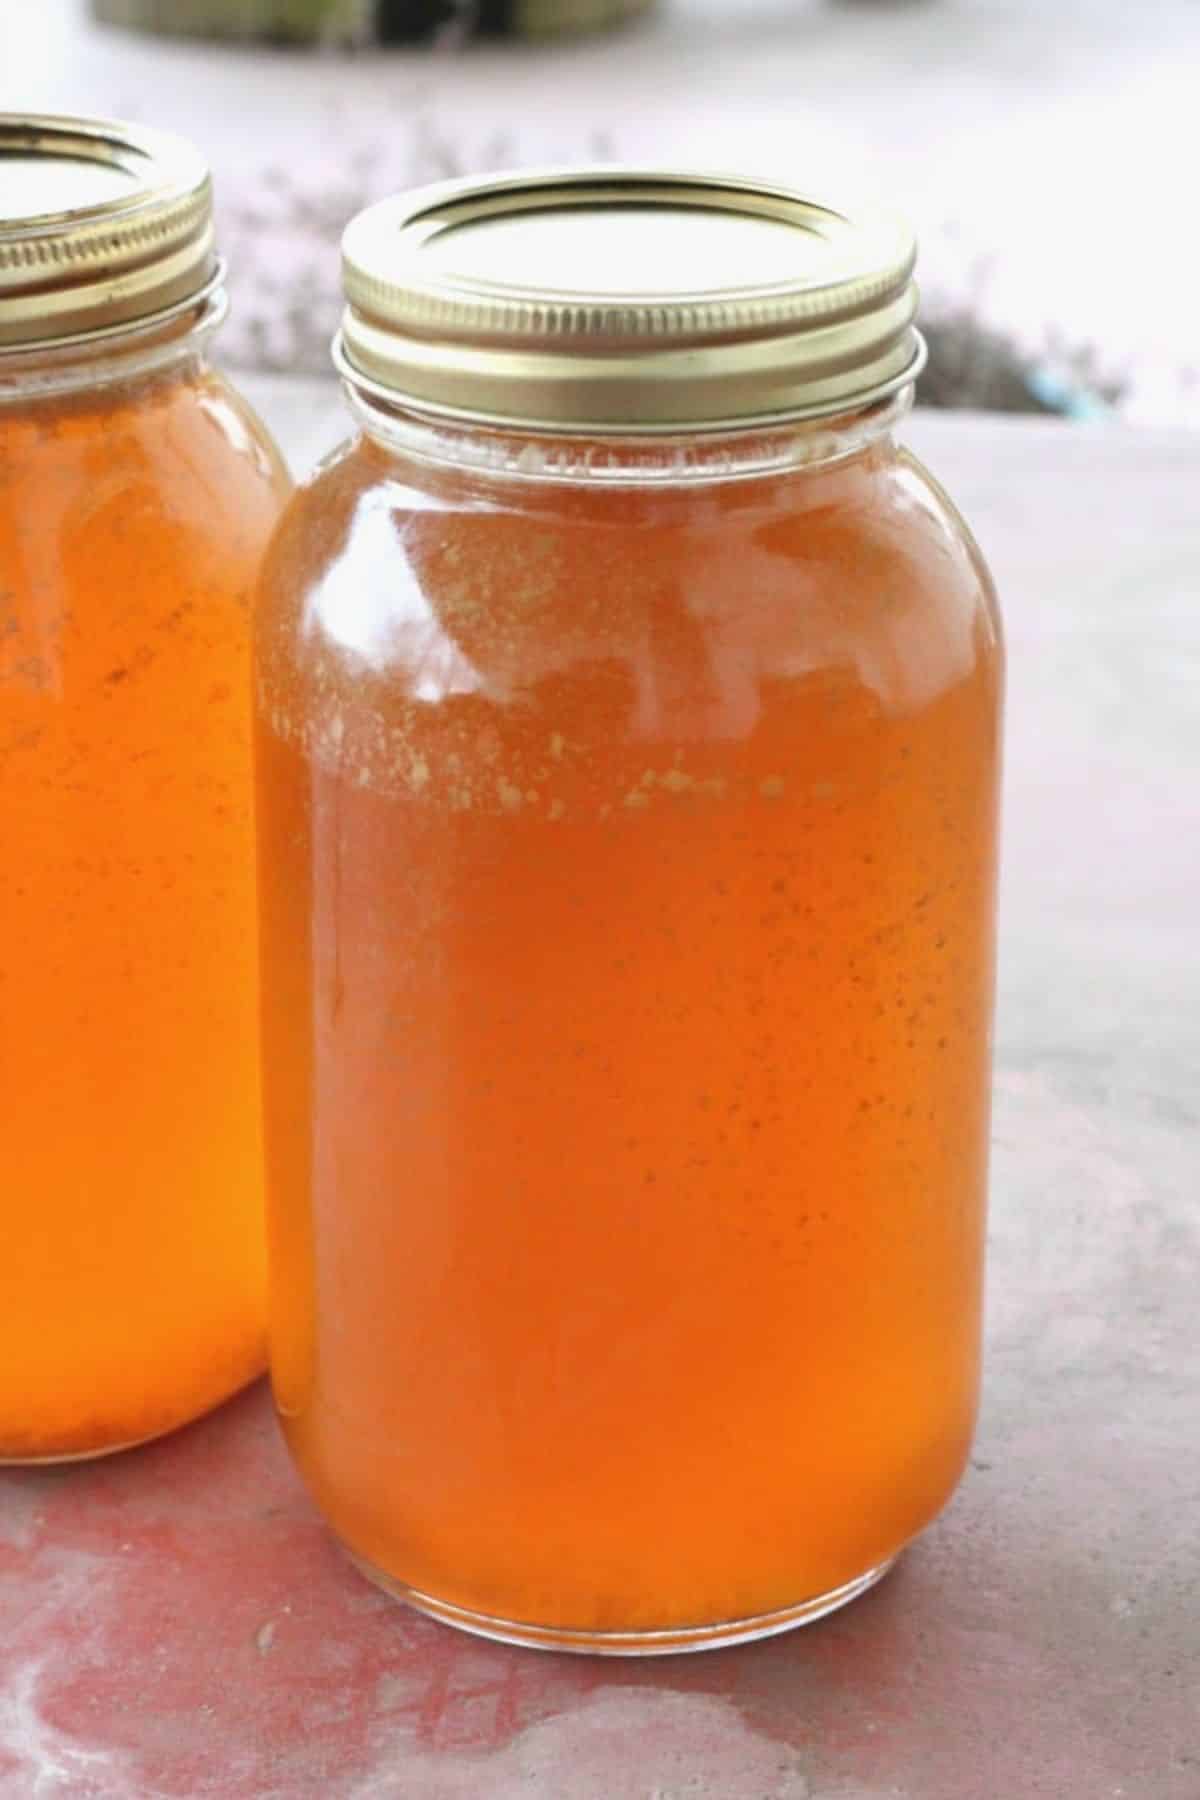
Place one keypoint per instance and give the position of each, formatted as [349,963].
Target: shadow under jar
[628,714]
[137,492]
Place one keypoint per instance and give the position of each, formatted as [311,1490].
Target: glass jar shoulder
[132,520]
[924,508]
[242,436]
[435,586]
[179,449]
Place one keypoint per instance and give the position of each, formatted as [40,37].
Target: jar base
[674,1641]
[57,1458]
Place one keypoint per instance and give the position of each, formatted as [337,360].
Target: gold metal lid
[620,300]
[101,224]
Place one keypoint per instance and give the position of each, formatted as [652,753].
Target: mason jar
[136,494]
[357,22]
[628,707]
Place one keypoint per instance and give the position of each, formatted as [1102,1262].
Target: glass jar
[368,21]
[628,710]
[136,494]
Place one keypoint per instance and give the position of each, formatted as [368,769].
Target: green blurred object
[550,18]
[367,21]
[300,21]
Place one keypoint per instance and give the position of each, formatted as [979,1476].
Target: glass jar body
[136,494]
[627,868]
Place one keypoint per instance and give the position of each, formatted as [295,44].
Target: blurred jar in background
[369,21]
[136,492]
[628,705]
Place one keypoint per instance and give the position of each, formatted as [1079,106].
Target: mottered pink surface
[175,1624]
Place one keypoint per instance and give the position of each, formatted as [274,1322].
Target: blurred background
[1047,150]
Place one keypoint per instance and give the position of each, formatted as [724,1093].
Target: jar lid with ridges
[102,224]
[626,300]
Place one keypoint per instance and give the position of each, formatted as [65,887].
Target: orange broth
[132,520]
[627,884]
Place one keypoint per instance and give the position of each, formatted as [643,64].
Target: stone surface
[174,1624]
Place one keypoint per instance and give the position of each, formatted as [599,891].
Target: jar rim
[528,455]
[125,353]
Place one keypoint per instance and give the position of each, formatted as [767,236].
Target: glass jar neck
[109,358]
[658,459]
